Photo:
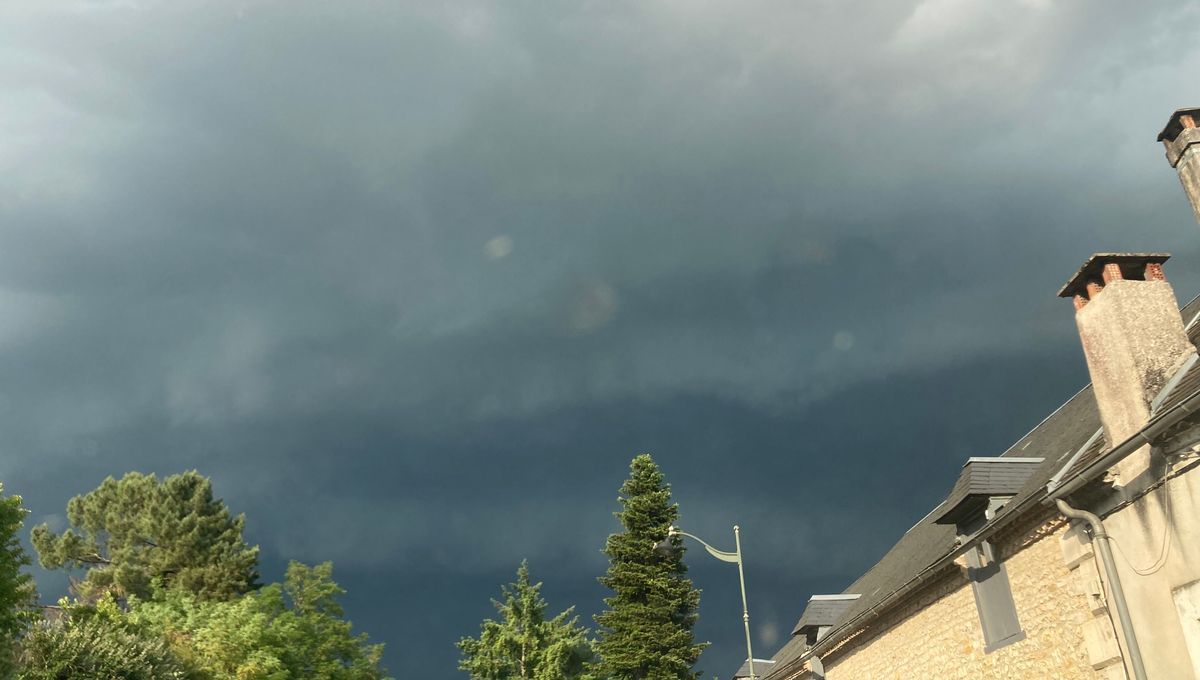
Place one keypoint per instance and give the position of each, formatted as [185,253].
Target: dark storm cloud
[413,281]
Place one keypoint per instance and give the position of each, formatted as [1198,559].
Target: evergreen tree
[131,532]
[523,644]
[16,587]
[646,632]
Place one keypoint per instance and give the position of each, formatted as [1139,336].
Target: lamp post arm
[724,556]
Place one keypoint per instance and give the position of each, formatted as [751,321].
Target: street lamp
[734,557]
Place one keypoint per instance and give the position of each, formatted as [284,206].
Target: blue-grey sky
[413,281]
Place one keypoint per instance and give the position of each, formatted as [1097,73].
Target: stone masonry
[936,633]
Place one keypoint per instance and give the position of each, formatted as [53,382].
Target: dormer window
[821,613]
[983,487]
[979,496]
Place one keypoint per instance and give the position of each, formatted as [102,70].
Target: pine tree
[133,532]
[646,632]
[523,644]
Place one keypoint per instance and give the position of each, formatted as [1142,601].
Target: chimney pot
[1112,272]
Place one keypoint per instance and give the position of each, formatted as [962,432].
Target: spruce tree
[646,632]
[523,645]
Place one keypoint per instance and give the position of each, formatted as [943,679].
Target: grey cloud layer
[274,177]
[365,243]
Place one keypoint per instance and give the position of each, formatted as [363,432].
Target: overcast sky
[414,281]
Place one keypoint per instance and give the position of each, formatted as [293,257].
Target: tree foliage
[523,644]
[289,631]
[131,532]
[16,587]
[646,631]
[171,592]
[95,643]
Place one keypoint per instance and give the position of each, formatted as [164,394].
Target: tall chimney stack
[1181,137]
[1133,338]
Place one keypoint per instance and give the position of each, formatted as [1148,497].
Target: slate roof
[1088,452]
[1185,383]
[1067,437]
[792,649]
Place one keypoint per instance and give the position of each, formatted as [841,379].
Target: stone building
[1076,552]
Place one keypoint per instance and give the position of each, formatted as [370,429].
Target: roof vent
[983,479]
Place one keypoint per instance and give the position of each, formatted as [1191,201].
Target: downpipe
[1101,539]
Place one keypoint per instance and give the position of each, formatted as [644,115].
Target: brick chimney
[1181,136]
[1133,339]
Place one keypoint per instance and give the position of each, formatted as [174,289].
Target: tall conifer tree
[646,632]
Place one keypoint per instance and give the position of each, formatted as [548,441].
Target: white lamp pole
[736,558]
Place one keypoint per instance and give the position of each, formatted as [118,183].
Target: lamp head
[665,547]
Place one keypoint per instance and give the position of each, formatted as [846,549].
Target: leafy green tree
[646,631]
[318,639]
[523,644]
[131,532]
[281,632]
[16,587]
[95,643]
[226,639]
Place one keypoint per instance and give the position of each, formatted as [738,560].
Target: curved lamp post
[734,557]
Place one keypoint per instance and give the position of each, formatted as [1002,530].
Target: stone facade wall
[1156,545]
[1158,553]
[936,633]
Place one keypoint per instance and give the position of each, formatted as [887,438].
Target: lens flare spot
[498,248]
[843,341]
